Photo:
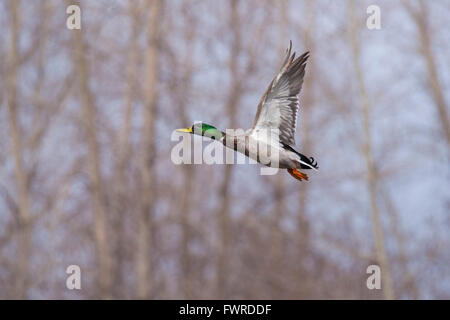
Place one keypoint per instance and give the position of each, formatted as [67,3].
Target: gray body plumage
[258,149]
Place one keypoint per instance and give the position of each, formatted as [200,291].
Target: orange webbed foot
[297,174]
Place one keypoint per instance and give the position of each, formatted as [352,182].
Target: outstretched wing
[278,107]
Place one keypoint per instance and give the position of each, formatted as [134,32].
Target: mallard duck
[270,141]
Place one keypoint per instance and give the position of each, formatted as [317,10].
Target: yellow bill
[188,130]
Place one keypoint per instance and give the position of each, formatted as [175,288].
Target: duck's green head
[203,129]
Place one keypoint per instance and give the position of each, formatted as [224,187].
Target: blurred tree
[371,173]
[420,18]
[86,177]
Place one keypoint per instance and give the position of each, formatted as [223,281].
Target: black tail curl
[311,161]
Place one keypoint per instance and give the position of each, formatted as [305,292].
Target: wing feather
[278,107]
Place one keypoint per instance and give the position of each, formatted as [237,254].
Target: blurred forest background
[86,178]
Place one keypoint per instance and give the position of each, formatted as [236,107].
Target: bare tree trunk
[275,266]
[421,20]
[231,105]
[189,190]
[131,83]
[144,243]
[24,228]
[224,232]
[184,212]
[276,234]
[89,115]
[381,254]
[306,102]
[409,284]
[123,149]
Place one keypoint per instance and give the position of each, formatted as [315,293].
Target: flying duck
[270,141]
